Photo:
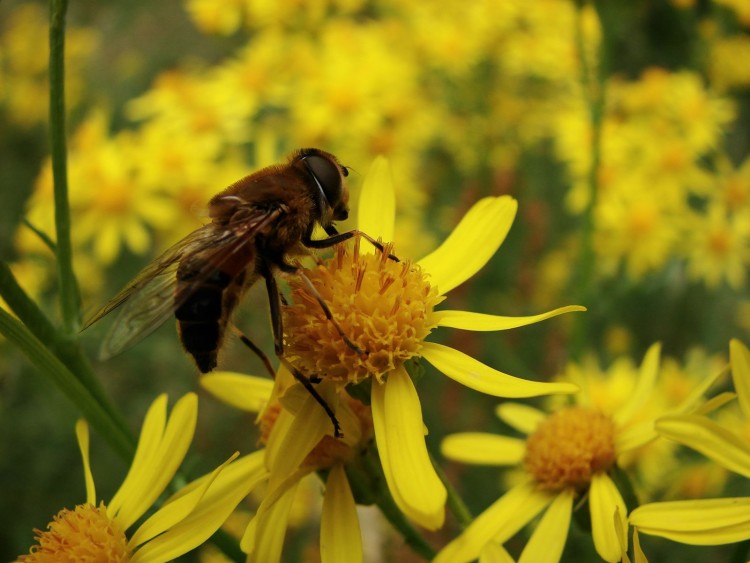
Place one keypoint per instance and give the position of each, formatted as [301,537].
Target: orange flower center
[383,307]
[569,447]
[83,534]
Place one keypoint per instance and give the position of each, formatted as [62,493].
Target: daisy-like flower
[566,455]
[387,308]
[706,521]
[297,445]
[92,532]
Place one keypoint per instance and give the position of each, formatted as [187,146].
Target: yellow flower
[566,455]
[706,521]
[387,309]
[24,89]
[297,446]
[719,246]
[100,532]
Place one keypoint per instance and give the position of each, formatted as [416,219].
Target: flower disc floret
[83,534]
[569,448]
[383,306]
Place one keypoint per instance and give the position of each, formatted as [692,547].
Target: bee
[258,226]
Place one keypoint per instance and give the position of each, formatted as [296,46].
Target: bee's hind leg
[254,347]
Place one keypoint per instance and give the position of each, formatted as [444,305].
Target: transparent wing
[150,299]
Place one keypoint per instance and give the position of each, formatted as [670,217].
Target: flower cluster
[611,138]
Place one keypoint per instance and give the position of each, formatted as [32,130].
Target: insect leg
[274,299]
[335,238]
[327,311]
[258,352]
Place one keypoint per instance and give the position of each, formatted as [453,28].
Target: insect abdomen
[201,318]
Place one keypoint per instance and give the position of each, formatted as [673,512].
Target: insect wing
[150,299]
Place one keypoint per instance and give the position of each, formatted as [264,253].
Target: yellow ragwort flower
[297,446]
[388,309]
[566,455]
[92,532]
[706,521]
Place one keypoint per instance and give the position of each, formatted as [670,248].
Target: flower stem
[368,485]
[52,367]
[456,504]
[69,298]
[65,348]
[592,86]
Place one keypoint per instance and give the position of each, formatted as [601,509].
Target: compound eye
[328,175]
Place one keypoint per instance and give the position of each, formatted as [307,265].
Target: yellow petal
[523,418]
[199,508]
[495,553]
[152,431]
[483,449]
[471,244]
[638,555]
[165,449]
[243,392]
[696,396]
[635,436]
[340,536]
[307,429]
[643,387]
[696,522]
[548,540]
[82,434]
[481,322]
[714,403]
[376,214]
[740,361]
[272,519]
[399,433]
[166,521]
[497,523]
[709,438]
[480,377]
[604,501]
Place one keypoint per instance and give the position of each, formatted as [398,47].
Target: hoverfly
[258,224]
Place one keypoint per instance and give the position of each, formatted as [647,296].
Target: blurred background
[623,129]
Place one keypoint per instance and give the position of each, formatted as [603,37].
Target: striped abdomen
[203,316]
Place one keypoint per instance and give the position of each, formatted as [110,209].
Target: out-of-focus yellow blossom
[740,8]
[654,133]
[111,207]
[718,246]
[189,104]
[733,183]
[565,455]
[707,521]
[728,62]
[24,55]
[213,16]
[638,228]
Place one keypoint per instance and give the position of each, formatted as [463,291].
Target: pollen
[382,306]
[569,447]
[83,534]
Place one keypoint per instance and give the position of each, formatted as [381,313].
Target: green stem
[456,504]
[53,368]
[593,86]
[368,485]
[66,349]
[69,299]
